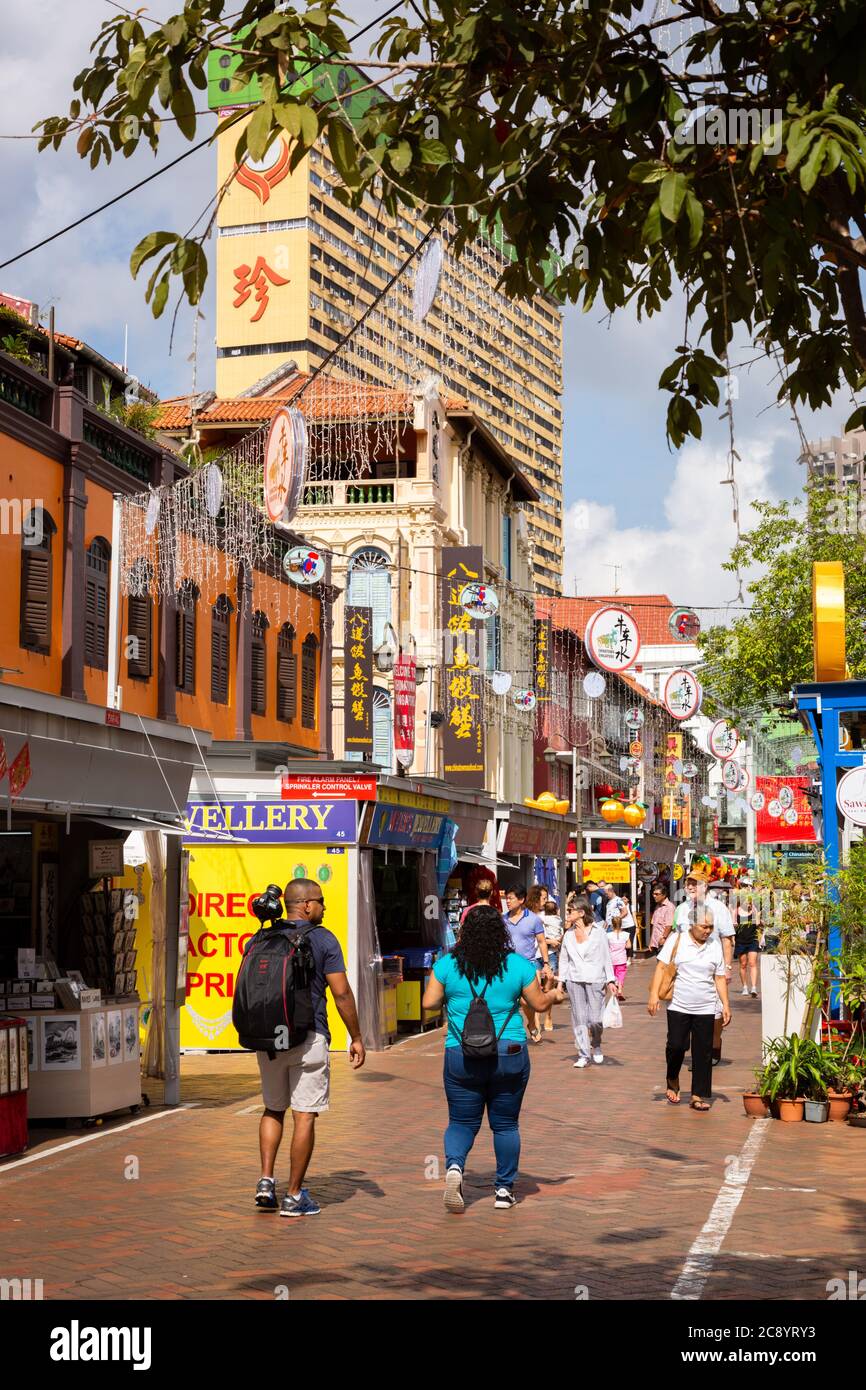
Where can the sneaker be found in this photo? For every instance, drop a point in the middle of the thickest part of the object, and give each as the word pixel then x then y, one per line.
pixel 302 1205
pixel 503 1197
pixel 266 1194
pixel 582 1062
pixel 754 994
pixel 454 1189
pixel 745 990
pixel 598 1058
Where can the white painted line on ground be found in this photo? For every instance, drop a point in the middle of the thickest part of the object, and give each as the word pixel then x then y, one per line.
pixel 778 1188
pixel 102 1134
pixel 699 1262
pixel 751 1255
pixel 250 1109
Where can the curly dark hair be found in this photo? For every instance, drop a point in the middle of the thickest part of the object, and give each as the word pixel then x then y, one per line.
pixel 484 944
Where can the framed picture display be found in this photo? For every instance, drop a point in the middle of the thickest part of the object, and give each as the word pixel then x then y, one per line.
pixel 98 1046
pixel 23 1061
pixel 4 1061
pixel 32 1046
pixel 61 1043
pixel 12 1034
pixel 115 1041
pixel 131 1047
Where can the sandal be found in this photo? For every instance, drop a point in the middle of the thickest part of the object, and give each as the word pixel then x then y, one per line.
pixel 671 1090
pixel 700 1105
pixel 535 1034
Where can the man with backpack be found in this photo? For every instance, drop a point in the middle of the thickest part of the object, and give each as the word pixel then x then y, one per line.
pixel 281 1013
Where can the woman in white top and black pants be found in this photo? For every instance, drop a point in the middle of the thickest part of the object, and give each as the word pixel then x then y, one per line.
pixel 700 984
pixel 586 971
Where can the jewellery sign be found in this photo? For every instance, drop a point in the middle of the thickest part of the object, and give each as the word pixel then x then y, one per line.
pixel 463 730
pixel 782 812
pixel 542 659
pixel 404 710
pixel 358 679
pixel 612 639
pixel 851 795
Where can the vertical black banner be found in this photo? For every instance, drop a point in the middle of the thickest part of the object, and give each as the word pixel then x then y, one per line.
pixel 358 680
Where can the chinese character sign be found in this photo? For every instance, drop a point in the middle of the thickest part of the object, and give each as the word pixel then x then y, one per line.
pixel 541 659
pixel 784 815
pixel 358 680
pixel 682 694
pixel 612 639
pixel 257 277
pixel 462 704
pixel 677 801
pixel 404 710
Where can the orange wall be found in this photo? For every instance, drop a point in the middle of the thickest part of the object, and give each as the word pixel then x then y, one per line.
pixel 266 598
pixel 37 480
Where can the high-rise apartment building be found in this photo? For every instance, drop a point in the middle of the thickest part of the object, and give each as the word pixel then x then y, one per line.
pixel 295 269
pixel 840 460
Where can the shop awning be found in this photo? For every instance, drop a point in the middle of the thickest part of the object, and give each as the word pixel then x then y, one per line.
pixel 661 849
pixel 138 823
pixel 468 856
pixel 527 832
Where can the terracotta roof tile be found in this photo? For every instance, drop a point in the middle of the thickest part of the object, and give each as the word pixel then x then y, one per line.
pixel 651 613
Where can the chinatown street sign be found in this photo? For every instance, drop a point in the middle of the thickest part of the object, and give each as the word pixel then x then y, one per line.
pixel 612 639
pixel 463 706
pixel 682 695
pixel 404 710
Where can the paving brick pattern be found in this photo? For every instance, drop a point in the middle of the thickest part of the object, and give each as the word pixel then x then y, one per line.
pixel 615 1186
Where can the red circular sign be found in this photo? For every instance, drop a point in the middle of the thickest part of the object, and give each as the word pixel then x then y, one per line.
pixel 612 639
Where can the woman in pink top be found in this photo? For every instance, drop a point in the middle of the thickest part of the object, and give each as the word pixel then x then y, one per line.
pixel 662 920
pixel 619 941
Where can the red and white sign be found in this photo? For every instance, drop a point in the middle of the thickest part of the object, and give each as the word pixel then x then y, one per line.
pixel 285 463
pixel 322 787
pixel 772 823
pixel 612 639
pixel 25 307
pixel 112 718
pixel 724 741
pixel 682 695
pixel 851 795
pixel 404 710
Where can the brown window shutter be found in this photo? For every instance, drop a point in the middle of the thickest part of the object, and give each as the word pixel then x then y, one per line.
pixel 140 614
pixel 185 677
pixel 258 674
pixel 219 667
pixel 35 623
pixel 308 683
pixel 96 606
pixel 287 675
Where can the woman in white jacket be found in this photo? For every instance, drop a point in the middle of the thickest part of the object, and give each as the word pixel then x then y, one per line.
pixel 586 971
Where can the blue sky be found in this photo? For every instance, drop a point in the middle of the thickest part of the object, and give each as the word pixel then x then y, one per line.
pixel 663 518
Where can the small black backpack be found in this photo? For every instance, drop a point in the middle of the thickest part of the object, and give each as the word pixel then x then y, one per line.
pixel 272 1008
pixel 479 1037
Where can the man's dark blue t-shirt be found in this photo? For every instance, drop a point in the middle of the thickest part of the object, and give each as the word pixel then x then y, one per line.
pixel 328 956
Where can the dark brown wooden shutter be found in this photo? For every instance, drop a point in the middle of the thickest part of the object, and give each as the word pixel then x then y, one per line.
pixel 219 660
pixel 308 682
pixel 187 599
pixel 259 661
pixel 139 629
pixel 35 624
pixel 287 675
pixel 96 606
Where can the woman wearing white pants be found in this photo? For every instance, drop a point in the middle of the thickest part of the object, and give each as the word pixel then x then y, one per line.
pixel 586 971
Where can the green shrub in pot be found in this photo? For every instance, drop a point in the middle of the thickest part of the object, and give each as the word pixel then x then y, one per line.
pixel 795 1068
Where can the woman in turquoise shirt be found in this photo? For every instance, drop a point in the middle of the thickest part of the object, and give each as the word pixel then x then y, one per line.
pixel 483 955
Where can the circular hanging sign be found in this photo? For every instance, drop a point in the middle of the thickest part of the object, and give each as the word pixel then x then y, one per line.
pixel 612 639
pixel 635 748
pixel 796 754
pixel 682 695
pixel 594 684
pixel 479 600
pixel 213 489
pixel 279 463
pixel 151 516
pixel 744 780
pixel 426 280
pixel 299 473
pixel 775 808
pixel 524 699
pixel 684 624
pixel 632 764
pixel 501 682
pixel 303 565
pixel 711 802
pixel 757 801
pixel 786 798
pixel 730 776
pixel 851 795
pixel 634 717
pixel 690 770
pixel 790 816
pixel 724 741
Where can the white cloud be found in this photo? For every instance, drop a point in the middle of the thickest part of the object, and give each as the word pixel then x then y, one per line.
pixel 683 557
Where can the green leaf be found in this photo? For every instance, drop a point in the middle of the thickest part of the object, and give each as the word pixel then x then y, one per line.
pixel 271 23
pixel 342 146
pixel 695 214
pixel 401 156
pixel 183 108
pixel 289 117
pixel 855 421
pixel 147 247
pixel 85 140
pixel 159 298
pixel 309 126
pixel 648 171
pixel 433 152
pixel 652 227
pixel 671 195
pixel 812 167
pixel 258 131
pixel 799 140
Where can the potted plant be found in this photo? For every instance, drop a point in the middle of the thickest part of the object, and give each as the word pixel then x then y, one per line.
pixel 816 1106
pixel 844 1078
pixel 795 1068
pixel 754 1101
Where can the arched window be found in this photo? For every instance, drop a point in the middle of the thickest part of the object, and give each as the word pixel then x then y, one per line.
pixel 220 660
pixel 139 640
pixel 383 729
pixel 259 682
pixel 369 586
pixel 34 630
pixel 287 675
pixel 309 681
pixel 96 604
pixel 187 599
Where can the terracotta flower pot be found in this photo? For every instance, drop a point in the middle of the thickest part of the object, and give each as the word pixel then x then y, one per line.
pixel 755 1105
pixel 840 1104
pixel 791 1110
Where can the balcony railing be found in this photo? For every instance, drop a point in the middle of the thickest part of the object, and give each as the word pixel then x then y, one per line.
pixel 24 389
pixel 118 445
pixel 348 494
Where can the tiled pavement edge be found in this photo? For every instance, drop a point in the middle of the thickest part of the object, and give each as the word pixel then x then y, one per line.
pixel 615 1188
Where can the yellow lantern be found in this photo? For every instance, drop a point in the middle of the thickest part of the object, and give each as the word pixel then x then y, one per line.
pixel 612 811
pixel 546 801
pixel 634 815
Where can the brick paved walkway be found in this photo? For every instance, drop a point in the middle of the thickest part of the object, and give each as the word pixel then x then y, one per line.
pixel 619 1183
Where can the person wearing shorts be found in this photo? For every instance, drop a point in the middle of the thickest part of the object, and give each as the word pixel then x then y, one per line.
pixel 299 1079
pixel 747 945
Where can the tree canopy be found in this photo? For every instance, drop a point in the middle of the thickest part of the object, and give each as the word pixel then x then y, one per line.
pixel 734 168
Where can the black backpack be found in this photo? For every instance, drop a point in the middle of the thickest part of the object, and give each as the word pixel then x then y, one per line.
pixel 272 1009
pixel 479 1037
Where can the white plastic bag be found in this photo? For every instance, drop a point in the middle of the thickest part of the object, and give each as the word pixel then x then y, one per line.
pixel 612 1016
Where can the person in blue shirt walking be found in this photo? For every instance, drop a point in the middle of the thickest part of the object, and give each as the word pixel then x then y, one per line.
pixel 484 960
pixel 526 934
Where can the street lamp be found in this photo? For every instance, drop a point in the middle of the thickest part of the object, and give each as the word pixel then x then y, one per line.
pixel 386 654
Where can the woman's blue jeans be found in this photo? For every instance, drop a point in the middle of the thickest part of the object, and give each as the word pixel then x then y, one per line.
pixel 497 1084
